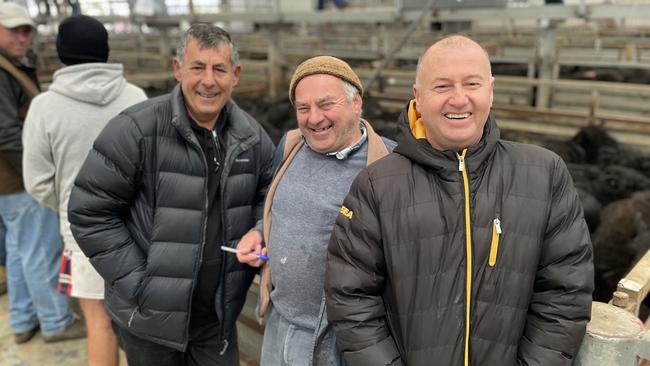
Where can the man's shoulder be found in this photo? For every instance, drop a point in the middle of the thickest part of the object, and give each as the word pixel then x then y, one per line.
pixel 527 154
pixel 149 104
pixel 7 79
pixel 149 112
pixel 239 115
pixel 244 124
pixel 389 167
pixel 390 144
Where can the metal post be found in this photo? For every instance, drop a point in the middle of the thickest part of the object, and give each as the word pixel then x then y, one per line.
pixel 614 337
pixel 276 76
pixel 547 55
pixel 400 43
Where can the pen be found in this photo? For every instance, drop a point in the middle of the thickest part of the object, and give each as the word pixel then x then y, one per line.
pixel 233 250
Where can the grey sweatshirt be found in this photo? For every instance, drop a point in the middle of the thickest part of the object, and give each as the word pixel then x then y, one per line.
pixel 305 206
pixel 62 125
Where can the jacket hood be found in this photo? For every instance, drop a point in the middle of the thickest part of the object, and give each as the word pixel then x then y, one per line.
pixel 412 143
pixel 95 83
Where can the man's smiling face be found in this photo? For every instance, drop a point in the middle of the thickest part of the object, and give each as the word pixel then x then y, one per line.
pixel 207 80
pixel 453 94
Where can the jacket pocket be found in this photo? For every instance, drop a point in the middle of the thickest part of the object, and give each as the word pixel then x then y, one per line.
pixel 494 246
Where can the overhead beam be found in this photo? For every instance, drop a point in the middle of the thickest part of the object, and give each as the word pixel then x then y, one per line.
pixel 392 14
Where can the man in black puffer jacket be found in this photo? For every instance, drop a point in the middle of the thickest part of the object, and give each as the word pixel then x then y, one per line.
pixel 459 248
pixel 169 181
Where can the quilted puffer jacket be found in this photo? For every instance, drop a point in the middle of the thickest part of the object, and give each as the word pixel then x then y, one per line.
pixel 139 211
pixel 476 257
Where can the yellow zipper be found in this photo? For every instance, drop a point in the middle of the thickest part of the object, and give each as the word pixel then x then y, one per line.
pixel 468 251
pixel 494 247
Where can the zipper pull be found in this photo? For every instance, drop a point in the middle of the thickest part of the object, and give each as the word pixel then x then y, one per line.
pixel 497 225
pixel 461 161
pixel 217 164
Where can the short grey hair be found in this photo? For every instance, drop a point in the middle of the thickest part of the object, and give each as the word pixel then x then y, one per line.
pixel 209 36
pixel 351 91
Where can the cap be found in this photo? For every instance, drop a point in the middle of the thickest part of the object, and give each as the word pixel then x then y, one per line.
pixel 324 65
pixel 13 15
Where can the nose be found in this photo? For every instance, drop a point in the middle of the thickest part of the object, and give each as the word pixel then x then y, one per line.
pixel 315 115
pixel 458 98
pixel 23 37
pixel 208 78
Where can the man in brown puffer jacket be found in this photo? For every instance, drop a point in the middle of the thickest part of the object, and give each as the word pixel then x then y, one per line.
pixel 459 248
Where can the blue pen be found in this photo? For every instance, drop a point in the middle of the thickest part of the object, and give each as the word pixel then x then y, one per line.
pixel 233 250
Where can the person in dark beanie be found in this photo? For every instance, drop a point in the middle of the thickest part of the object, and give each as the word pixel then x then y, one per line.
pixel 82 39
pixel 167 183
pixel 30 236
pixel 60 128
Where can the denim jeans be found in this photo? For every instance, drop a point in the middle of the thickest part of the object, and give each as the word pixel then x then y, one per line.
pixel 3 249
pixel 286 344
pixel 33 248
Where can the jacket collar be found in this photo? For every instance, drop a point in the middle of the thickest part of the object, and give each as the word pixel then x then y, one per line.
pixel 420 151
pixel 239 123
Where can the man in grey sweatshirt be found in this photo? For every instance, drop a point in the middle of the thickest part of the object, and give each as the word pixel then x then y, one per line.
pixel 315 165
pixel 60 128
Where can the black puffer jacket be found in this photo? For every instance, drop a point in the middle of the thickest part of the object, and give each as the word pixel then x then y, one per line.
pixel 413 236
pixel 14 102
pixel 139 211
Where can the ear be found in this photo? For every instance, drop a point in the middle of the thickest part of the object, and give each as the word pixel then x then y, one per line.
pixel 237 72
pixel 491 90
pixel 417 98
pixel 357 102
pixel 176 65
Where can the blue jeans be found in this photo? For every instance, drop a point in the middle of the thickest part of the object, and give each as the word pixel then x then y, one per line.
pixel 33 248
pixel 3 250
pixel 286 344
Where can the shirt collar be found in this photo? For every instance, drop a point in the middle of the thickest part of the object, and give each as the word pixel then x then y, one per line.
pixel 343 154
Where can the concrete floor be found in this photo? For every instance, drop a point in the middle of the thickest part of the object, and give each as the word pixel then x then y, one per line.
pixel 36 352
pixel 73 353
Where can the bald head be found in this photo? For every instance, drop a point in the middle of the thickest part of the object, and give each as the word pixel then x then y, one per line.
pixel 454 42
pixel 453 92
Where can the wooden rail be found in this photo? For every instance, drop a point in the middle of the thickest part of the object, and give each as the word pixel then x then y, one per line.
pixel 635 285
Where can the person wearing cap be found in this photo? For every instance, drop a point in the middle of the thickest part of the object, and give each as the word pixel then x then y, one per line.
pixel 31 235
pixel 16 32
pixel 315 165
pixel 459 248
pixel 60 127
pixel 167 183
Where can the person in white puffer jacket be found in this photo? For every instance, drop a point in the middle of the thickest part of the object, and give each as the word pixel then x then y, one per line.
pixel 59 130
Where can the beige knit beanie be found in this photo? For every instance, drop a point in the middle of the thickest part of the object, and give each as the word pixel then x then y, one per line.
pixel 324 65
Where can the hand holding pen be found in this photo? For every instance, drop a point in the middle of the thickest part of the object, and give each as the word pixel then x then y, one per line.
pixel 233 250
pixel 250 250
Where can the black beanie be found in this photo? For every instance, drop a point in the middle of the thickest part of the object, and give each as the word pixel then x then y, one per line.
pixel 82 39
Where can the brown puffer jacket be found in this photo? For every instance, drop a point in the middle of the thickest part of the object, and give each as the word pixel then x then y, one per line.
pixel 415 232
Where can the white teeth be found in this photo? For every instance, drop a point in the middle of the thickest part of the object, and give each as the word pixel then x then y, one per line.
pixel 457 115
pixel 320 129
